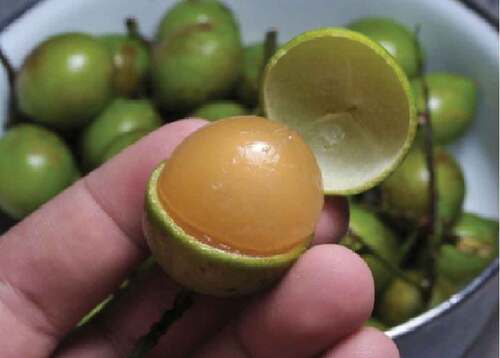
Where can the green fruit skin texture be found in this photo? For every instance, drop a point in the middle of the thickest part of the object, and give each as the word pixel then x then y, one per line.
pixel 203 268
pixel 65 81
pixel 120 117
pixel 35 165
pixel 248 85
pixel 220 109
pixel 441 291
pixel 375 323
pixel 476 245
pixel 400 301
pixel 365 225
pixel 401 43
pixel 452 104
pixel 191 12
pixel 132 63
pixel 405 193
pixel 122 142
pixel 195 63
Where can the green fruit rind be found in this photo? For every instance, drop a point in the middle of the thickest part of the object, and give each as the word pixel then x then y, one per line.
pixel 203 268
pixel 392 162
pixel 215 110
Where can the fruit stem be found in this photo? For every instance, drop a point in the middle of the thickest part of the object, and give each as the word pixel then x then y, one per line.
pixel 270 45
pixel 183 301
pixel 426 125
pixel 133 30
pixel 13 112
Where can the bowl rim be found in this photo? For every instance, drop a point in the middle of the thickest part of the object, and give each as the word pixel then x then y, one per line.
pixel 444 308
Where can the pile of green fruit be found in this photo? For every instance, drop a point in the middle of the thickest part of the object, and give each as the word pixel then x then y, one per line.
pixel 79 99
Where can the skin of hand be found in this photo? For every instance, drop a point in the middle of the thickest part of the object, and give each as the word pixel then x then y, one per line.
pixel 66 257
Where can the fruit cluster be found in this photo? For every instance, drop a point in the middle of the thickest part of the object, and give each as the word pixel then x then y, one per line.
pixel 411 229
pixel 80 99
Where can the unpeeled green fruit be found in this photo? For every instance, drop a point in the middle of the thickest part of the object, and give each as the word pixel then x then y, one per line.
pixel 248 85
pixel 131 61
pixel 401 43
pixel 120 117
pixel 191 12
pixel 364 226
pixel 213 111
pixel 452 104
pixel 400 301
pixel 35 165
pixel 65 81
pixel 195 62
pixel 475 246
pixel 405 193
pixel 122 142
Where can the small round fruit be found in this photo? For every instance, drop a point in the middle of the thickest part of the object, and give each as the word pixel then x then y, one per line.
pixel 400 301
pixel 131 62
pixel 120 117
pixel 248 85
pixel 441 291
pixel 405 193
pixel 365 229
pixel 475 246
pixel 195 63
pixel 35 165
pixel 452 104
pixel 213 111
pixel 401 43
pixel 65 81
pixel 122 142
pixel 350 101
pixel 375 323
pixel 193 12
pixel 219 218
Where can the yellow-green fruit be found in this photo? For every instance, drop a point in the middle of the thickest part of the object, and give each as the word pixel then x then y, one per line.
pixel 474 245
pixel 35 165
pixel 65 81
pixel 195 61
pixel 365 229
pixel 398 40
pixel 120 117
pixel 405 193
pixel 400 301
pixel 442 290
pixel 219 219
pixel 213 111
pixel 452 104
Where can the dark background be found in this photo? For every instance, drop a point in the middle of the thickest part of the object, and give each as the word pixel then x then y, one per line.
pixel 487 345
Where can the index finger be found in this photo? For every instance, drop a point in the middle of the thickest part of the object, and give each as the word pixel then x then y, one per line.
pixel 50 262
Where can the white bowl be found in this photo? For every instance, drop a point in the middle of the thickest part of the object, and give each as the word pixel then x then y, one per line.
pixel 454 38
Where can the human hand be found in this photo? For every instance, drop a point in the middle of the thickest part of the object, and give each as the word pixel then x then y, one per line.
pixel 65 258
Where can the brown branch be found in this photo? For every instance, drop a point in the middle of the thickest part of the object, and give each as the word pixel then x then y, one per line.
pixel 270 46
pixel 429 228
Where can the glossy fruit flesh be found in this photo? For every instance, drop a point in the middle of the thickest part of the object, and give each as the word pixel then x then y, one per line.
pixel 452 104
pixel 248 85
pixel 120 117
pixel 131 61
pixel 401 43
pixel 35 165
pixel 405 193
pixel 243 184
pixel 213 111
pixel 65 81
pixel 350 101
